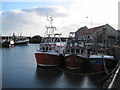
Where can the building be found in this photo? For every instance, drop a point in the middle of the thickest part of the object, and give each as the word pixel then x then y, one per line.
pixel 118 36
pixel 97 34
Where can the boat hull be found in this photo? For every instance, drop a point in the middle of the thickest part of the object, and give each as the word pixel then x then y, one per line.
pixel 48 60
pixel 73 62
pixel 99 65
pixel 21 43
pixel 7 45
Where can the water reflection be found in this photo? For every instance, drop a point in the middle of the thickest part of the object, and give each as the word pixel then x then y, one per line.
pixel 60 78
pixel 48 76
pixel 73 80
pixel 99 79
pixel 86 83
pixel 20 71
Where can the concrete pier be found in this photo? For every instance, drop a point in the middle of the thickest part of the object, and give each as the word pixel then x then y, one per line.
pixel 114 81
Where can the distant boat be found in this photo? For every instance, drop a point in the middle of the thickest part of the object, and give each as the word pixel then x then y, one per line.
pixel 75 54
pixel 21 42
pixel 7 43
pixel 50 51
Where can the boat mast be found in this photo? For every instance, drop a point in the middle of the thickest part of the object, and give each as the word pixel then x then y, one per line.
pixel 50 29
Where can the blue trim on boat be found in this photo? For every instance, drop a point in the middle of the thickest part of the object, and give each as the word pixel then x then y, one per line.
pixel 98 61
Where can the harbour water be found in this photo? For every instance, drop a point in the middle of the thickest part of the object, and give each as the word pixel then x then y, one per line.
pixel 19 70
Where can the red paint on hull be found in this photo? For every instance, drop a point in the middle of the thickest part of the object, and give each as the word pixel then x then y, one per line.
pixel 73 62
pixel 44 59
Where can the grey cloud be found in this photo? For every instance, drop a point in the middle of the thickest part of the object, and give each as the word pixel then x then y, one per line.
pixel 43 11
pixel 12 20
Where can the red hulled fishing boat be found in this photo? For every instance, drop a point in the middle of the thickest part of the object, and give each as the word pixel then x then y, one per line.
pixel 50 50
pixel 75 54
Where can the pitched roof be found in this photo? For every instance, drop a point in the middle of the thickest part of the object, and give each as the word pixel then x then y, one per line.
pixel 81 29
pixel 91 30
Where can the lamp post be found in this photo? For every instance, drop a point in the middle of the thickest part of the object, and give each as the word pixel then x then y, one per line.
pixel 94 40
pixel 90 23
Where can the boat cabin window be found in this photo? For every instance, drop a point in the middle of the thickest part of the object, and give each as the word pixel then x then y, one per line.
pixel 43 48
pixel 72 50
pixel 67 51
pixel 88 36
pixel 82 51
pixel 46 48
pixel 52 48
pixel 77 50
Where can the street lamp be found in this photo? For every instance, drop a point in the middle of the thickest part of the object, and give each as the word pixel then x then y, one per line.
pixel 94 39
pixel 91 23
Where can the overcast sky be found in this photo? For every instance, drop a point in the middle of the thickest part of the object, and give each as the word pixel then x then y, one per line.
pixel 30 18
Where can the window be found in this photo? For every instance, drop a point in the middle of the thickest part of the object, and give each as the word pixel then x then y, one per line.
pixel 77 51
pixel 82 51
pixel 72 50
pixel 88 36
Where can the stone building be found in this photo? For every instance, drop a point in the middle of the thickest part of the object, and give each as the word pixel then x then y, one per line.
pixel 98 34
pixel 118 36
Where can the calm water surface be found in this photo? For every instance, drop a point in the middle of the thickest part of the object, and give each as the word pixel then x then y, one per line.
pixel 20 71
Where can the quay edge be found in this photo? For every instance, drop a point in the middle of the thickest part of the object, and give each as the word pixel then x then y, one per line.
pixel 112 82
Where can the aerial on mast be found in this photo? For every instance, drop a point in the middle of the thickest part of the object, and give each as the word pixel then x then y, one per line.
pixel 50 20
pixel 50 28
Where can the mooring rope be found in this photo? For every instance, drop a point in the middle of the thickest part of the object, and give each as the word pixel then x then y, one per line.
pixel 105 65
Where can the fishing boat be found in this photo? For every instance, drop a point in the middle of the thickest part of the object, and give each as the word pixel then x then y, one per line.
pixel 75 54
pixel 50 50
pixel 102 59
pixel 19 40
pixel 102 62
pixel 7 43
